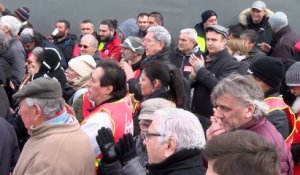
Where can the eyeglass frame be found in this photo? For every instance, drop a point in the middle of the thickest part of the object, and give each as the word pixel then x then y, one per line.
pixel 146 135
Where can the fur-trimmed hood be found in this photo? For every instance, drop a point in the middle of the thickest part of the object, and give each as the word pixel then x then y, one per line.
pixel 245 13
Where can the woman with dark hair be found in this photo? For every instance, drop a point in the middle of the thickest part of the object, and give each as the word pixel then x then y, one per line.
pixel 162 80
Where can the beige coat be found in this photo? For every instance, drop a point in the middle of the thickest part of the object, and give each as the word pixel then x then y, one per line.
pixel 57 149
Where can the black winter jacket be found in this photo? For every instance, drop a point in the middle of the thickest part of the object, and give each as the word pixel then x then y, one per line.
pixel 207 78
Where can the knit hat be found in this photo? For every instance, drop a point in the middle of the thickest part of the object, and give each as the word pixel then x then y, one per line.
pixel 218 28
pixel 207 14
pixel 41 88
pixel 278 20
pixel 148 107
pixel 292 76
pixel 135 44
pixel 22 13
pixel 259 5
pixel 83 65
pixel 269 70
pixel 27 36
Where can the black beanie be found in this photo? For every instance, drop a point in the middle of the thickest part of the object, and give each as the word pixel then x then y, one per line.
pixel 269 69
pixel 207 14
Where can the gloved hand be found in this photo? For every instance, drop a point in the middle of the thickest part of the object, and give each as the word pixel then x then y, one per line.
pixel 105 140
pixel 125 148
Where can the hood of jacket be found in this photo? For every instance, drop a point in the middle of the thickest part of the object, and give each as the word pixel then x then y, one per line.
pixel 244 15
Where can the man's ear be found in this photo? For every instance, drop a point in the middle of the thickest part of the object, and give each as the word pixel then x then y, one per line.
pixel 250 111
pixel 37 112
pixel 170 146
pixel 109 89
pixel 161 44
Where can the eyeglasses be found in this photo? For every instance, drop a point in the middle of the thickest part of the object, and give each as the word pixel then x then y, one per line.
pixel 84 46
pixel 147 135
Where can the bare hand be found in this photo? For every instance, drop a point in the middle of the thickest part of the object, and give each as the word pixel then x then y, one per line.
pixel 196 62
pixel 265 47
pixel 216 127
pixel 127 69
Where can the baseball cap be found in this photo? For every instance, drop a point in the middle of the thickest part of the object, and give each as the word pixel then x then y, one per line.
pixel 259 5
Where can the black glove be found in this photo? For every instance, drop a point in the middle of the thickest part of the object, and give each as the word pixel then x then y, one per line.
pixel 125 148
pixel 295 149
pixel 105 140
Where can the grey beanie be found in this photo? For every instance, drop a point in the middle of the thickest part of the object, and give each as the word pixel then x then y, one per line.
pixel 292 76
pixel 278 20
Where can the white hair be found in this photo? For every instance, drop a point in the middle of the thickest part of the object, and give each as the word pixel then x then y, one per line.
pixel 49 107
pixel 181 125
pixel 192 33
pixel 92 40
pixel 161 34
pixel 3 40
pixel 12 23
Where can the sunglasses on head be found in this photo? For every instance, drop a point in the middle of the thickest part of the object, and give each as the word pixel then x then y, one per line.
pixel 84 46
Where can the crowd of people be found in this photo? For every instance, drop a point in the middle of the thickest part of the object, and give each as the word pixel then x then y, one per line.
pixel 129 99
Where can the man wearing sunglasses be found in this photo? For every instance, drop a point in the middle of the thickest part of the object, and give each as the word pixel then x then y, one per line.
pixel 89 46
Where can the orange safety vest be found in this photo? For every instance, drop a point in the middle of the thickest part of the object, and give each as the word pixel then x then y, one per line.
pixel 277 103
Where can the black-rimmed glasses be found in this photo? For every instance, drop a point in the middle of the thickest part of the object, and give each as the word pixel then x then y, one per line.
pixel 147 135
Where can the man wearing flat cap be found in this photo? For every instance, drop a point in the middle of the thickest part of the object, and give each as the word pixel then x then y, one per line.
pixel 57 144
pixel 256 18
pixel 206 74
pixel 209 17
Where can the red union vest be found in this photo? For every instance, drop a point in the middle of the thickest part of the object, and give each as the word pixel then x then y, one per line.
pixel 297 140
pixel 120 115
pixel 277 103
pixel 86 105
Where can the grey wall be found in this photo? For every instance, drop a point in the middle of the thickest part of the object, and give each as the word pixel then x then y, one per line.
pixel 178 14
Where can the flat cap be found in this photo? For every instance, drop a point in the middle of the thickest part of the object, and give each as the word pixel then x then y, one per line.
pixel 148 107
pixel 41 88
pixel 218 28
